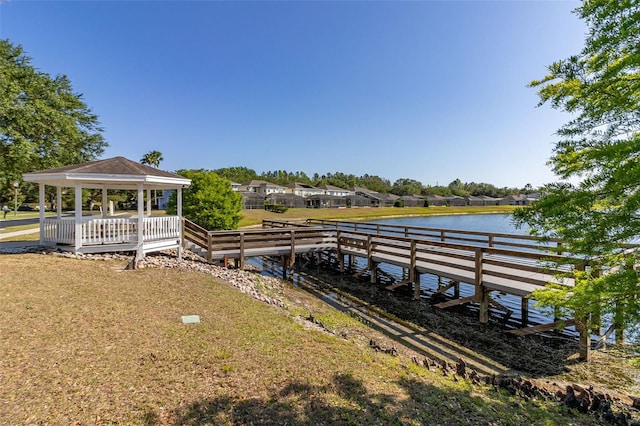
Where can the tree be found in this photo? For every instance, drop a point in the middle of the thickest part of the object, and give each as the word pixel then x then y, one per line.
pixel 405 186
pixel 209 201
pixel 152 158
pixel 237 174
pixel 595 207
pixel 43 123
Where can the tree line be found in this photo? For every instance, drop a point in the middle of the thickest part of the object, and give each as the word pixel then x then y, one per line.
pixel 403 186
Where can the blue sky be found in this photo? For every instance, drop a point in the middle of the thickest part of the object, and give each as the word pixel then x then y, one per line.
pixel 426 90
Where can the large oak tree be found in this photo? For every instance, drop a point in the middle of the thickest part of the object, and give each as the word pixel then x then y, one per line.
pixel 43 122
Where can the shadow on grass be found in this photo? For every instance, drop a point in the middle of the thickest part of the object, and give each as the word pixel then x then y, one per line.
pixel 346 401
pixel 536 355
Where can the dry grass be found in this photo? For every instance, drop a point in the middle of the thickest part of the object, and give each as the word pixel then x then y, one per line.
pixel 84 342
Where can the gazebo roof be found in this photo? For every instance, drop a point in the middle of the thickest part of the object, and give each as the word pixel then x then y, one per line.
pixel 116 172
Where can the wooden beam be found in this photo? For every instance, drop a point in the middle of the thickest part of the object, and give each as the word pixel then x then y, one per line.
pixel 443 288
pixel 361 272
pixel 499 305
pixel 540 328
pixel 455 302
pixel 399 284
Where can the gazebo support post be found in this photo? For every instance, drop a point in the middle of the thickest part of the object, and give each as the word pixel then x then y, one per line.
pixel 58 202
pixel 148 202
pixel 179 211
pixel 105 201
pixel 78 218
pixel 41 200
pixel 140 253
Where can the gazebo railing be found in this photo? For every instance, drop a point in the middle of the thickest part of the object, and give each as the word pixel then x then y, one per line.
pixel 110 230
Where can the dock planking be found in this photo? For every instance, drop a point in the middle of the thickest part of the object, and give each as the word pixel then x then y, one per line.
pixel 489 262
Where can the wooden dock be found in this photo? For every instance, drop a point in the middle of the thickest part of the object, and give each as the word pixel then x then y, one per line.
pixel 488 262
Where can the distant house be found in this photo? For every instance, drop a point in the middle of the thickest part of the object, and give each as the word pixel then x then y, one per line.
pixel 262 187
pixel 412 200
pixel 287 200
pixel 514 200
pixel 303 190
pixel 474 201
pixel 376 199
pixel 456 201
pixel 326 201
pixel 482 200
pixel 436 200
pixel 252 200
pixel 334 191
pixel 162 197
pixel 490 201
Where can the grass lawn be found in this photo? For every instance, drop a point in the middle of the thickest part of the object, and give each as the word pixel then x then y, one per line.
pixel 85 342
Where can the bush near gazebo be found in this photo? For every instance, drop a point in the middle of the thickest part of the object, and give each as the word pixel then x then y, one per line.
pixel 210 201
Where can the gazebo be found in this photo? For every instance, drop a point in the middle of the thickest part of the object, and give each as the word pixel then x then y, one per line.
pixel 140 232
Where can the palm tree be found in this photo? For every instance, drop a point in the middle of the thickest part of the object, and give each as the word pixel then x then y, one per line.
pixel 153 159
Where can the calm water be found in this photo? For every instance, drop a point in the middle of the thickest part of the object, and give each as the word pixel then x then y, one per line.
pixel 469 222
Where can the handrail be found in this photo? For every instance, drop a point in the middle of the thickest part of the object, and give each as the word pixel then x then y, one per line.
pixel 489 238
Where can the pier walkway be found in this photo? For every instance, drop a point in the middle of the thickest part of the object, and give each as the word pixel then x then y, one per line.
pixel 511 264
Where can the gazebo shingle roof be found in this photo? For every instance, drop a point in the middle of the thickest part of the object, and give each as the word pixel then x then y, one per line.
pixel 111 166
pixel 114 173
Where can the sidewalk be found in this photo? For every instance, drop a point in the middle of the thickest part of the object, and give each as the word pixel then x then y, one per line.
pixel 18 244
pixel 18 233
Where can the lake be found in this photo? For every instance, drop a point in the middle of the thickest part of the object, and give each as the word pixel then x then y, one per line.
pixel 468 222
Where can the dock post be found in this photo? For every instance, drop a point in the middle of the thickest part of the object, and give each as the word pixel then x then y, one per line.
pixel 524 303
pixel 374 271
pixel 285 265
pixel 481 294
pixel 484 306
pixel 339 252
pixel 413 275
pixel 241 250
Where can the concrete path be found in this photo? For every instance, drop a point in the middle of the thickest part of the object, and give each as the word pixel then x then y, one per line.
pixel 18 233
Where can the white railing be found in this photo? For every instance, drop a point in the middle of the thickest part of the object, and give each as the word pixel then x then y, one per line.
pixel 59 230
pixel 160 227
pixel 110 230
